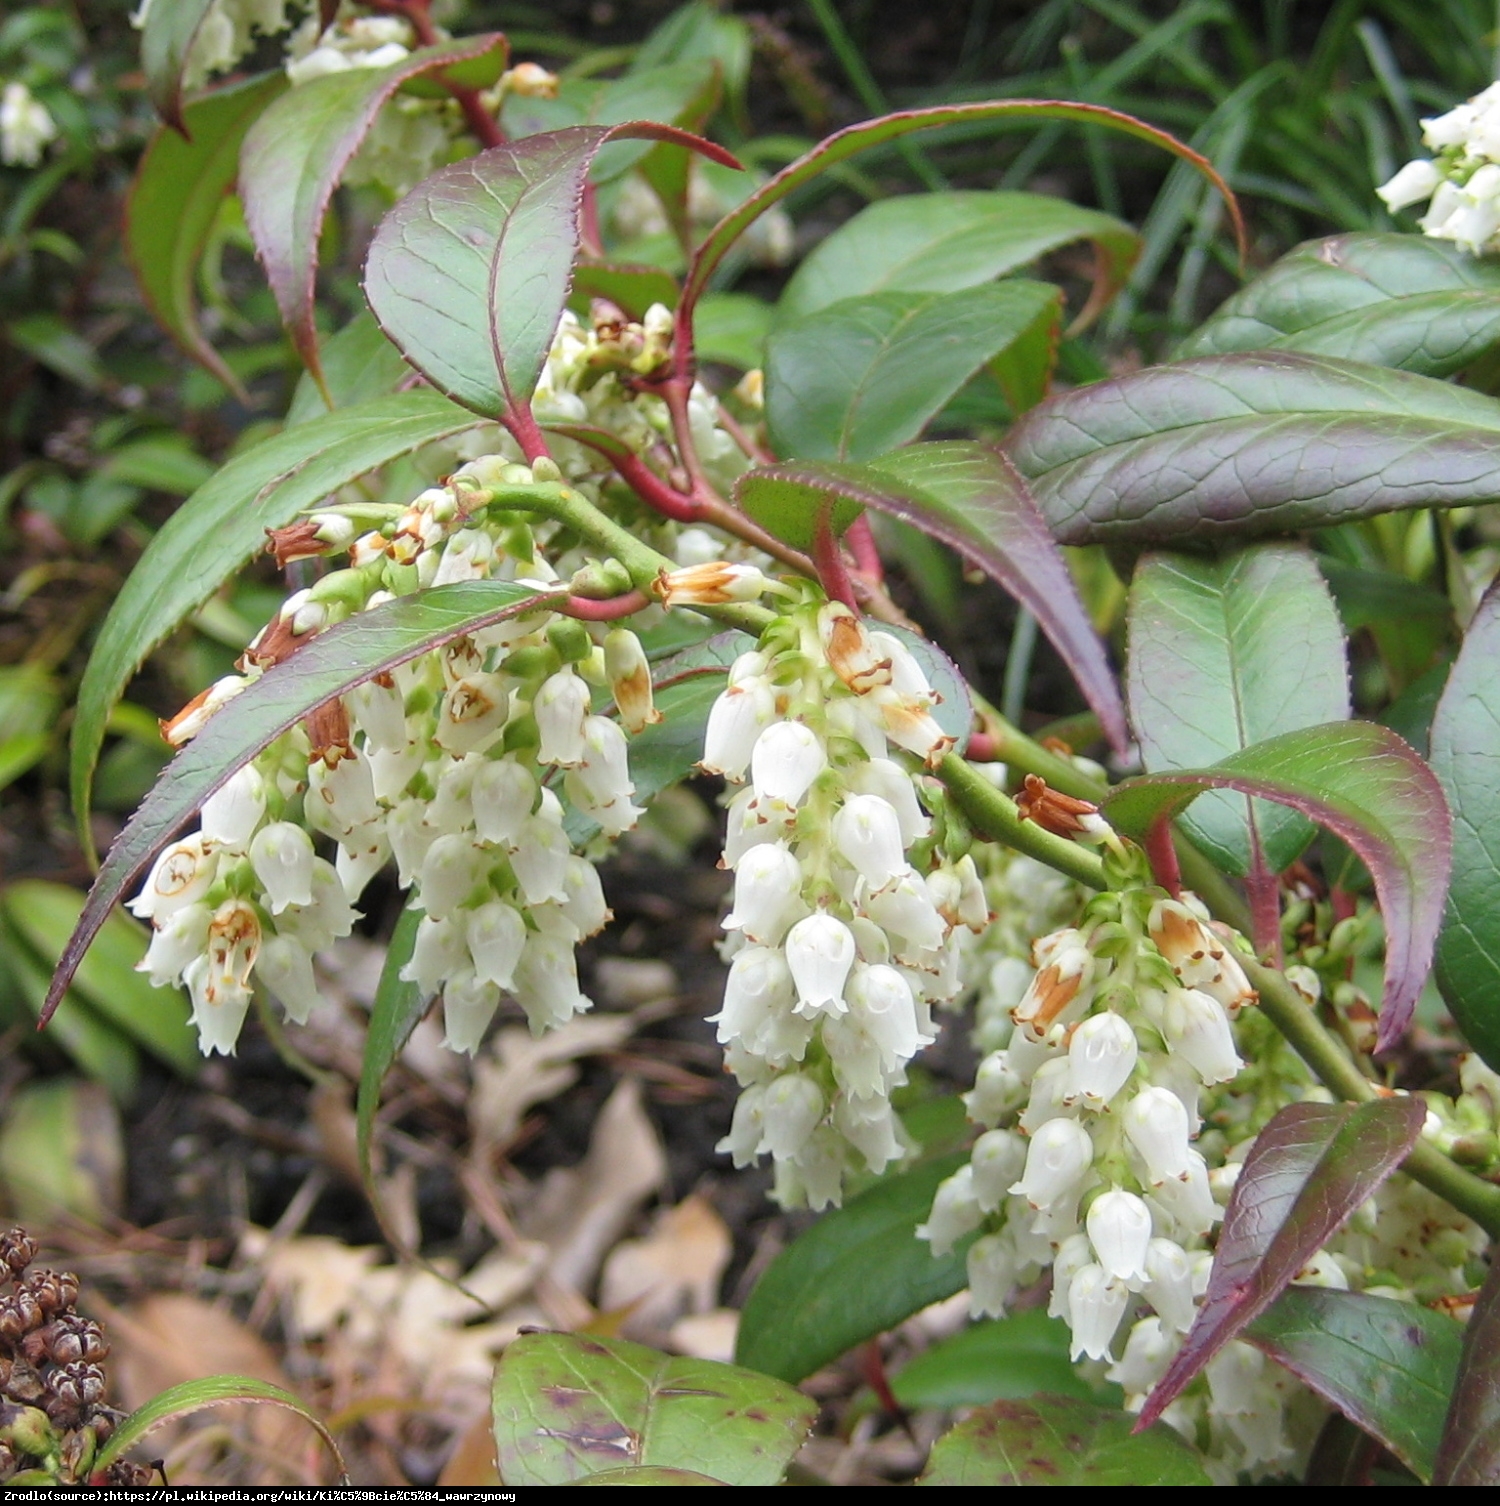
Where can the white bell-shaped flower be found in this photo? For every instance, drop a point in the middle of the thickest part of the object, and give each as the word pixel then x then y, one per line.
pixel 735 722
pixel 1059 993
pixel 282 856
pixel 883 1000
pixel 786 759
pixel 181 876
pixel 391 773
pixel 757 1010
pixel 379 711
pixel 1051 1095
pixel 747 1129
pixel 474 714
pixel 1169 1283
pixel 328 918
pixel 540 860
pixel 546 985
pixel 219 1007
pixel 502 795
pixel 285 967
pixel 629 674
pixel 793 1108
pixel 605 770
pixel 495 934
pixel 820 953
pixel 955 1213
pixel 1096 1303
pixel 1156 1124
pixel 1073 1254
pixel 858 1065
pixel 887 779
pixel 231 814
pixel 340 794
pixel 1149 1349
pixel 410 836
pixel 175 942
pixel 997 1092
pixel 1413 183
pixel 1188 1200
pixel 1119 1228
pixel 469 1004
pixel 1101 1057
pixel 751 825
pixel 905 908
pixel 998 1159
pixel 1196 1027
pixel 453 868
pixel 992 1269
pixel 1057 1160
pixel 766 894
pixel 585 905
pixel 870 1126
pixel 357 863
pixel 441 948
pixel 867 835
pixel 560 707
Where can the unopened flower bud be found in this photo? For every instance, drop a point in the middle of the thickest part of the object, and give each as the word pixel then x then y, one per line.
pixel 709 585
pixel 630 679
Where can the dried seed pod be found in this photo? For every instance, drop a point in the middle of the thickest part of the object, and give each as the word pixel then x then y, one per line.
pixel 17 1250
pixel 13 1325
pixel 31 1312
pixel 124 1475
pixel 25 1384
pixel 81 1382
pixel 53 1291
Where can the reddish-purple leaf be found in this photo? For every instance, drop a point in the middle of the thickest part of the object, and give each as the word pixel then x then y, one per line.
pixel 296 153
pixel 469 273
pixel 174 201
pixel 334 662
pixel 968 496
pixel 1470 1451
pixel 1367 786
pixel 1307 1172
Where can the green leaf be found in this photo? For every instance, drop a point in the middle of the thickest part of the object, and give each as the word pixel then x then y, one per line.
pixel 166 40
pixel 294 156
pixel 1387 1366
pixel 43 916
pixel 1364 784
pixel 46 338
pixel 158 463
pixel 1200 451
pixel 865 375
pixel 194 1396
pixel 359 365
pixel 1307 1172
pixel 732 328
pixel 996 1360
pixel 1470 1451
pixel 969 497
pixel 1225 653
pixel 1392 300
pixel 469 273
pixel 941 242
pixel 396 1012
pixel 62 1153
pixel 648 1475
pixel 858 138
pixel 857 1272
pixel 223 525
pixel 175 199
pixel 632 289
pixel 1464 732
pixel 567 1406
pixel 1059 1441
pixel 335 661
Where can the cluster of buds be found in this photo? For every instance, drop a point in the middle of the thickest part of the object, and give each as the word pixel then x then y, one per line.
pixel 841 936
pixel 52 1413
pixel 1461 178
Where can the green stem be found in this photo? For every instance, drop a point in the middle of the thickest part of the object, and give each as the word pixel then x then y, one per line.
pixel 994 815
pixel 1288 1011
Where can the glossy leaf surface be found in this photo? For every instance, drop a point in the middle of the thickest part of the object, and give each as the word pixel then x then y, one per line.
pixel 1470 1451
pixel 335 661
pixel 1369 788
pixel 941 242
pixel 1308 1170
pixel 1387 1366
pixel 294 156
pixel 1054 1440
pixel 568 1405
pixel 223 525
pixel 816 1299
pixel 867 374
pixel 1200 451
pixel 469 273
pixel 1465 735
pixel 1224 653
pixel 994 1360
pixel 1392 300
pixel 175 199
pixel 194 1396
pixel 967 495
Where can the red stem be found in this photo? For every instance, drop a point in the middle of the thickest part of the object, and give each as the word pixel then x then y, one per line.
pixel 592 609
pixel 1262 889
pixel 483 125
pixel 590 240
pixel 523 429
pixel 861 541
pixel 1162 856
pixel 653 491
pixel 829 560
pixel 983 747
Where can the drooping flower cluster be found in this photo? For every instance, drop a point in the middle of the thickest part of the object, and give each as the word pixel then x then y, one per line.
pixel 841 935
pixel 1461 178
pixel 472 768
pixel 224 35
pixel 26 126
